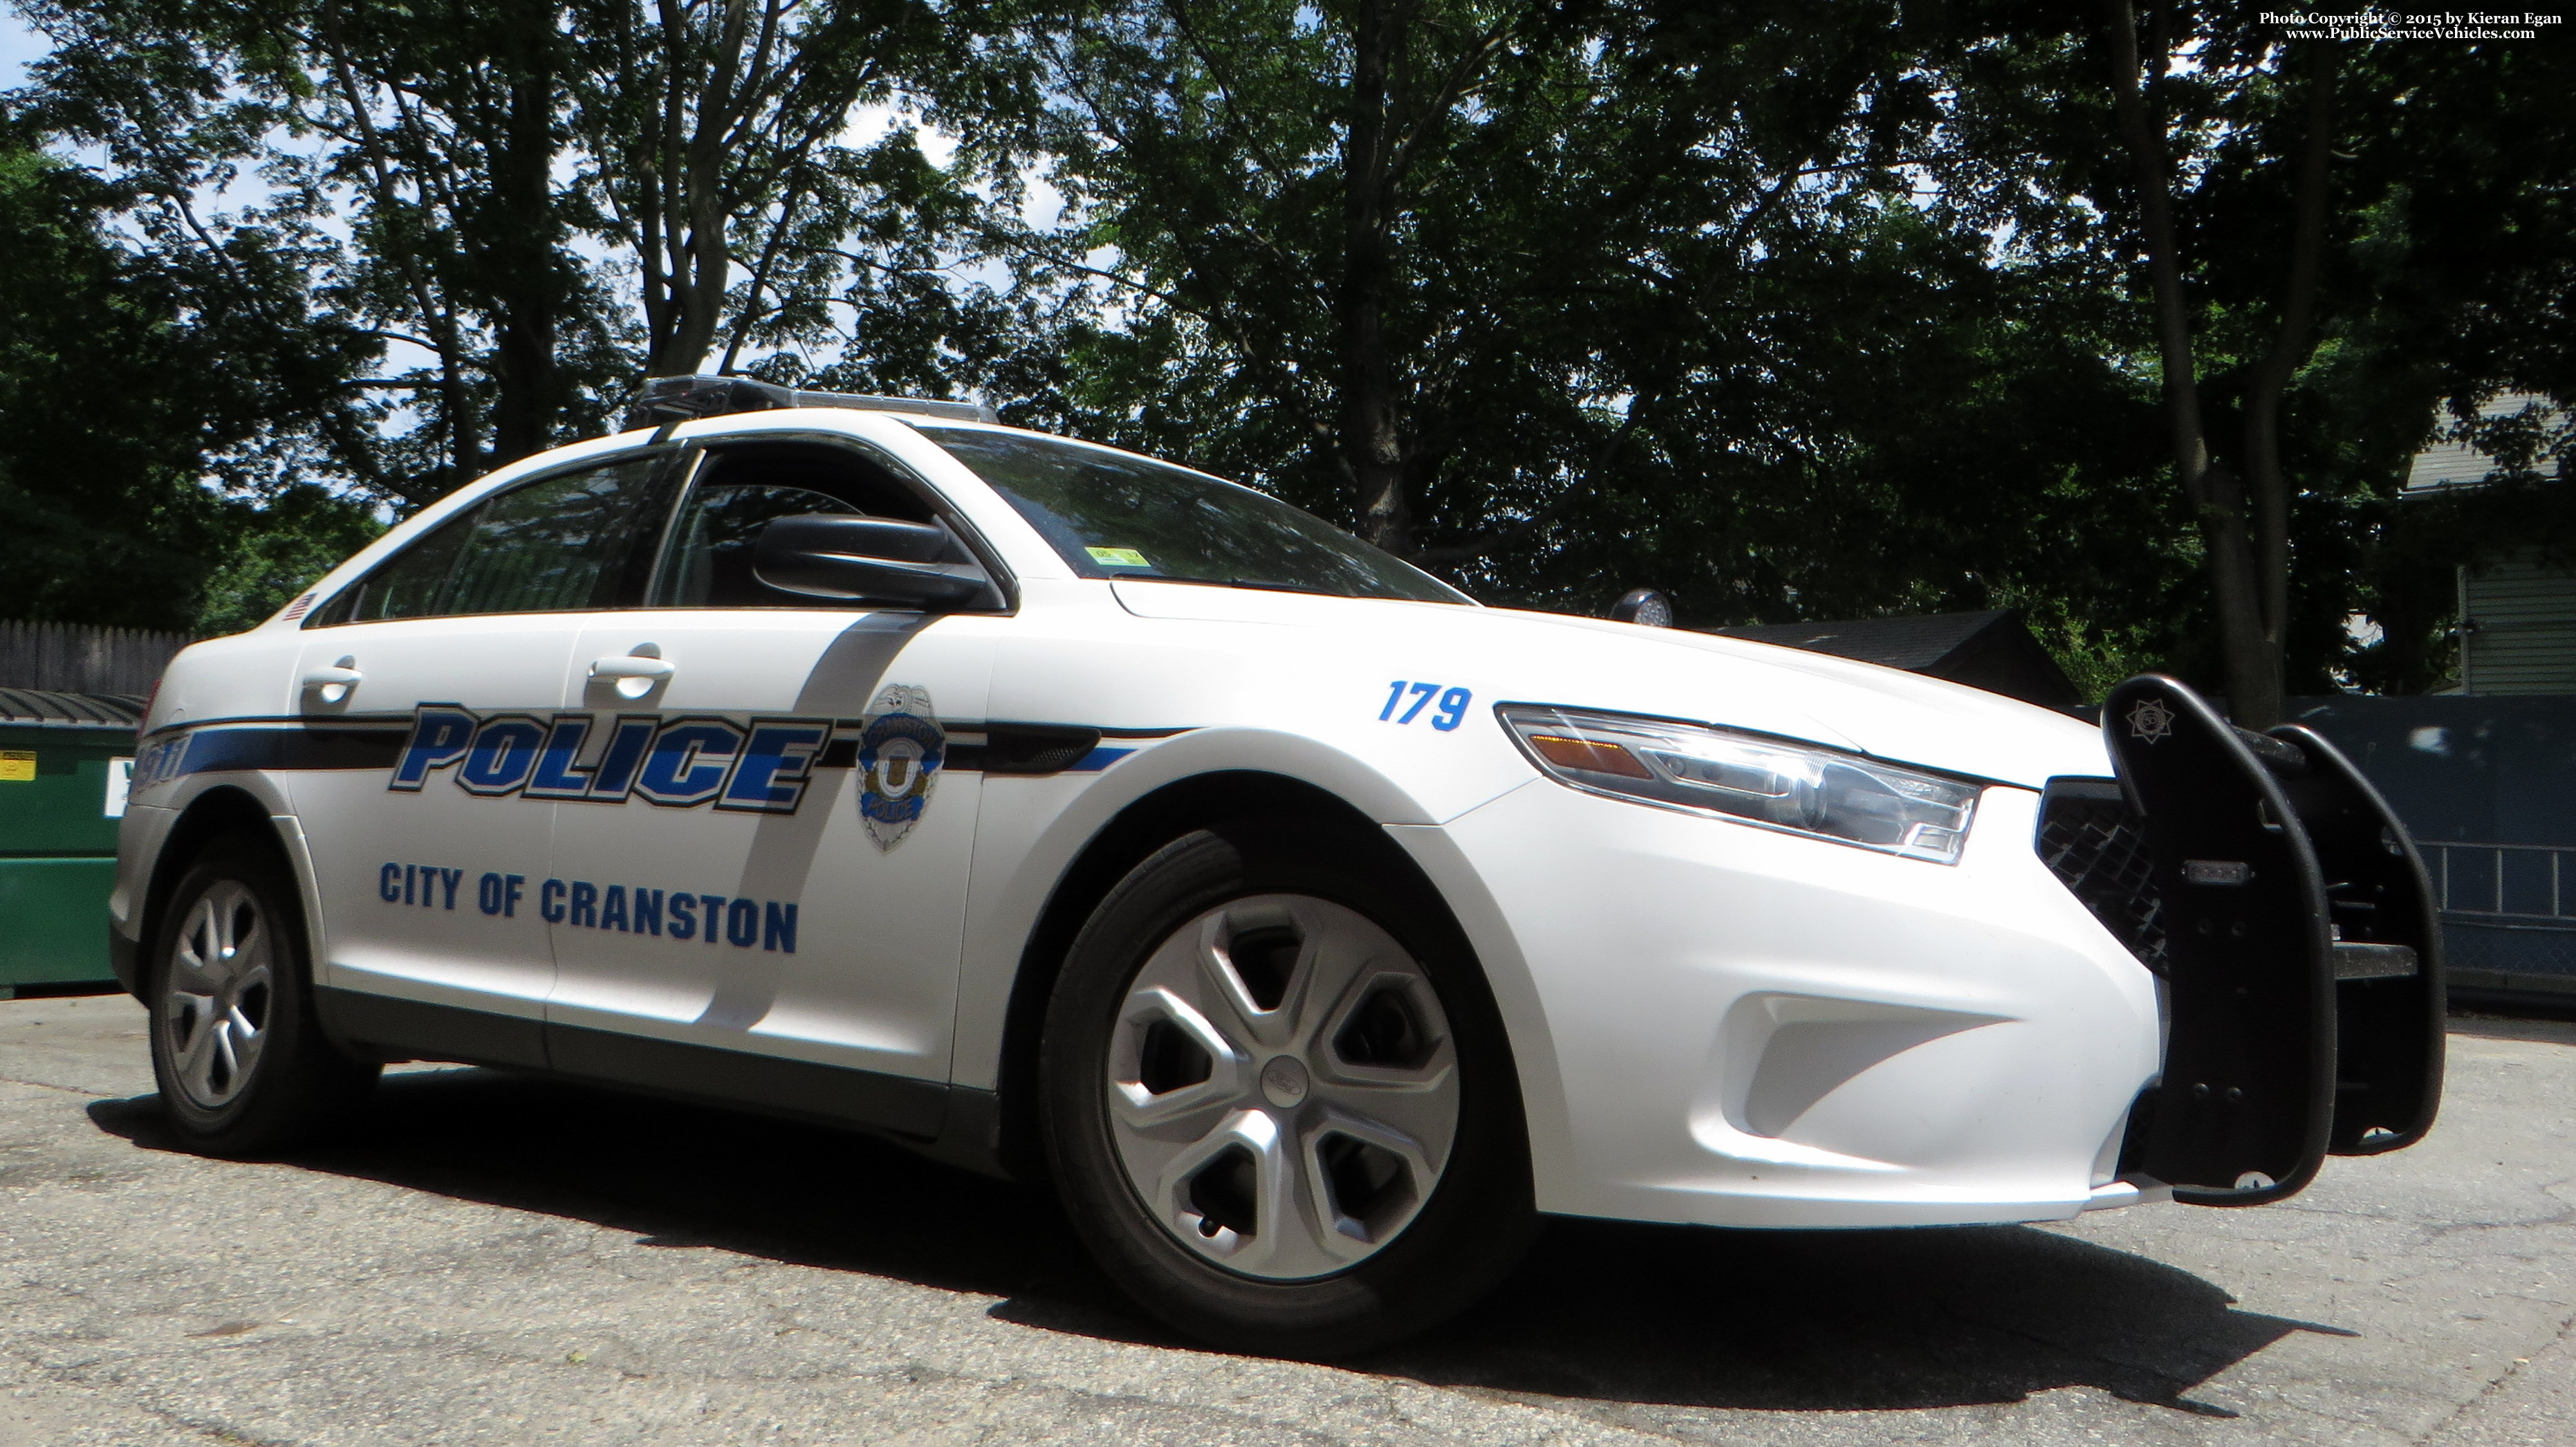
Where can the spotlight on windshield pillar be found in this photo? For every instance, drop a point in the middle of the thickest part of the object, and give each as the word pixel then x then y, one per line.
pixel 1643 605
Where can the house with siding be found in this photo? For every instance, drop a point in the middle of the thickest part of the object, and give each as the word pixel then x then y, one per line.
pixel 2517 614
pixel 2486 779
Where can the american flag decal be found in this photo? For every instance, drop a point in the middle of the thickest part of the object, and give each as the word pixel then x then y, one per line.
pixel 296 609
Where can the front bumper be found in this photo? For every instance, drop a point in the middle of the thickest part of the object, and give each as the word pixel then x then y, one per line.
pixel 1729 1026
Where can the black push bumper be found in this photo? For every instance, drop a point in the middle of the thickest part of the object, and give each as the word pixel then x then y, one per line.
pixel 2294 930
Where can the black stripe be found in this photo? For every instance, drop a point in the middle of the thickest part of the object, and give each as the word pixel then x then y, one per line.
pixel 403 720
pixel 298 744
pixel 217 749
pixel 1036 748
pixel 1008 748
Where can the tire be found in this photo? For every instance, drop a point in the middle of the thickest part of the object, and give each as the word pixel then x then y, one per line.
pixel 1278 1100
pixel 240 1058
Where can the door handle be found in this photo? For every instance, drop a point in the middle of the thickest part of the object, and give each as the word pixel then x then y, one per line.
pixel 334 682
pixel 635 673
pixel 632 667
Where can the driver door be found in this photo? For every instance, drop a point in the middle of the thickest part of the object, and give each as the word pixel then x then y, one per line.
pixel 768 863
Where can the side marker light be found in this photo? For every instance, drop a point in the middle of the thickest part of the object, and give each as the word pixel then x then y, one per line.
pixel 1590 755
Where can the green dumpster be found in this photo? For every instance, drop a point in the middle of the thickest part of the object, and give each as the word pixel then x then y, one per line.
pixel 64 761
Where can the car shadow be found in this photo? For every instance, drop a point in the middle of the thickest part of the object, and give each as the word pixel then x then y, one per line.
pixel 1630 1317
pixel 1841 1321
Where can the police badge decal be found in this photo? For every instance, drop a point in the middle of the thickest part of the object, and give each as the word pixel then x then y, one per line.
pixel 900 752
pixel 2151 721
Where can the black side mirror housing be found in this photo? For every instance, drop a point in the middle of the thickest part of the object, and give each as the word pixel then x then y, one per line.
pixel 835 555
pixel 1643 606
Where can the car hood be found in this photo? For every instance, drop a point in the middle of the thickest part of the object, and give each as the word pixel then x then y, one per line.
pixel 1523 657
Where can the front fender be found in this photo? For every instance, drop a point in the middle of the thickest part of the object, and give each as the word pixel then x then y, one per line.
pixel 1032 830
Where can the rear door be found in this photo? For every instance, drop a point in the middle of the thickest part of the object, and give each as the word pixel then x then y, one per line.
pixel 427 692
pixel 767 871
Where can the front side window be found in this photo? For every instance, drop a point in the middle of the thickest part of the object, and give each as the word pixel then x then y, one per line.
pixel 709 562
pixel 740 488
pixel 573 542
pixel 1114 516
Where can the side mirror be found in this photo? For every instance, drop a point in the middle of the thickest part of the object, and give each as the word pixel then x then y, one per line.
pixel 1643 606
pixel 833 555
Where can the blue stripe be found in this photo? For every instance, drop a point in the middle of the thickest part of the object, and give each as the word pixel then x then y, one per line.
pixel 1097 760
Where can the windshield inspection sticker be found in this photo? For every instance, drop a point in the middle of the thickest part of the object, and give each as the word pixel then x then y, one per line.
pixel 900 753
pixel 1118 557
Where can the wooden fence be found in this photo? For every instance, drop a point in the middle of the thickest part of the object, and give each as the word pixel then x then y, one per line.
pixel 76 658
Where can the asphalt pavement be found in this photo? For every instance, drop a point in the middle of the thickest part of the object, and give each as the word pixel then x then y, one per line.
pixel 493 1259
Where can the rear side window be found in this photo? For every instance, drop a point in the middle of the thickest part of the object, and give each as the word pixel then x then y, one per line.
pixel 408 586
pixel 573 542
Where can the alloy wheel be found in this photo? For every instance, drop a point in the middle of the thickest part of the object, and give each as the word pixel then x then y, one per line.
pixel 1282 1086
pixel 216 994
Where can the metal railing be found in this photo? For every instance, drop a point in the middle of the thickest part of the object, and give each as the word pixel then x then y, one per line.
pixel 2477 882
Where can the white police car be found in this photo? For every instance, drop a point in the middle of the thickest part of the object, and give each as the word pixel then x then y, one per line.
pixel 1073 815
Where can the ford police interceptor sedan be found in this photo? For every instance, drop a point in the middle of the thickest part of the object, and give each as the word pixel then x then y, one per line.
pixel 1080 817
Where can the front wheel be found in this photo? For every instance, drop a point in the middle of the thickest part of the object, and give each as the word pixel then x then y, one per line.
pixel 1280 1105
pixel 241 1062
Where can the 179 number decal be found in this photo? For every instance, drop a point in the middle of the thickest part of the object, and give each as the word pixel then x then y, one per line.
pixel 1451 712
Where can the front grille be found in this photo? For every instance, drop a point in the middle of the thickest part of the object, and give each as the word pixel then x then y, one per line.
pixel 2095 846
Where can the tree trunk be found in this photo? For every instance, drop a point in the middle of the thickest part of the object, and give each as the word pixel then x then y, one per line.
pixel 2253 661
pixel 1372 454
pixel 2272 378
pixel 523 243
pixel 724 78
pixel 380 157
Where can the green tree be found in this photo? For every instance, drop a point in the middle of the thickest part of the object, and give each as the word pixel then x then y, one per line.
pixel 1562 299
pixel 472 189
pixel 275 550
pixel 1792 311
pixel 1395 230
pixel 96 453
pixel 2319 242
pixel 123 416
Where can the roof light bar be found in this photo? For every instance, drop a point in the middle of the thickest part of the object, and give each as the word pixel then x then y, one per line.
pixel 681 399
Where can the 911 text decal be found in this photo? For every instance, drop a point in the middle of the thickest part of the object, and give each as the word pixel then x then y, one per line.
pixel 159 761
pixel 678 914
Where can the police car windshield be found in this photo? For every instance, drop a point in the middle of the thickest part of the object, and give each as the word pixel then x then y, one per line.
pixel 1115 516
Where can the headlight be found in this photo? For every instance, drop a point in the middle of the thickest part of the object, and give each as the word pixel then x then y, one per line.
pixel 1802 790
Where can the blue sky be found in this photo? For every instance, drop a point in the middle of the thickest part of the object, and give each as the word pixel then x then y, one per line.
pixel 18 45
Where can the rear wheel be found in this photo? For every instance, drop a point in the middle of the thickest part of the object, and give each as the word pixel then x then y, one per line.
pixel 1280 1105
pixel 241 1062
